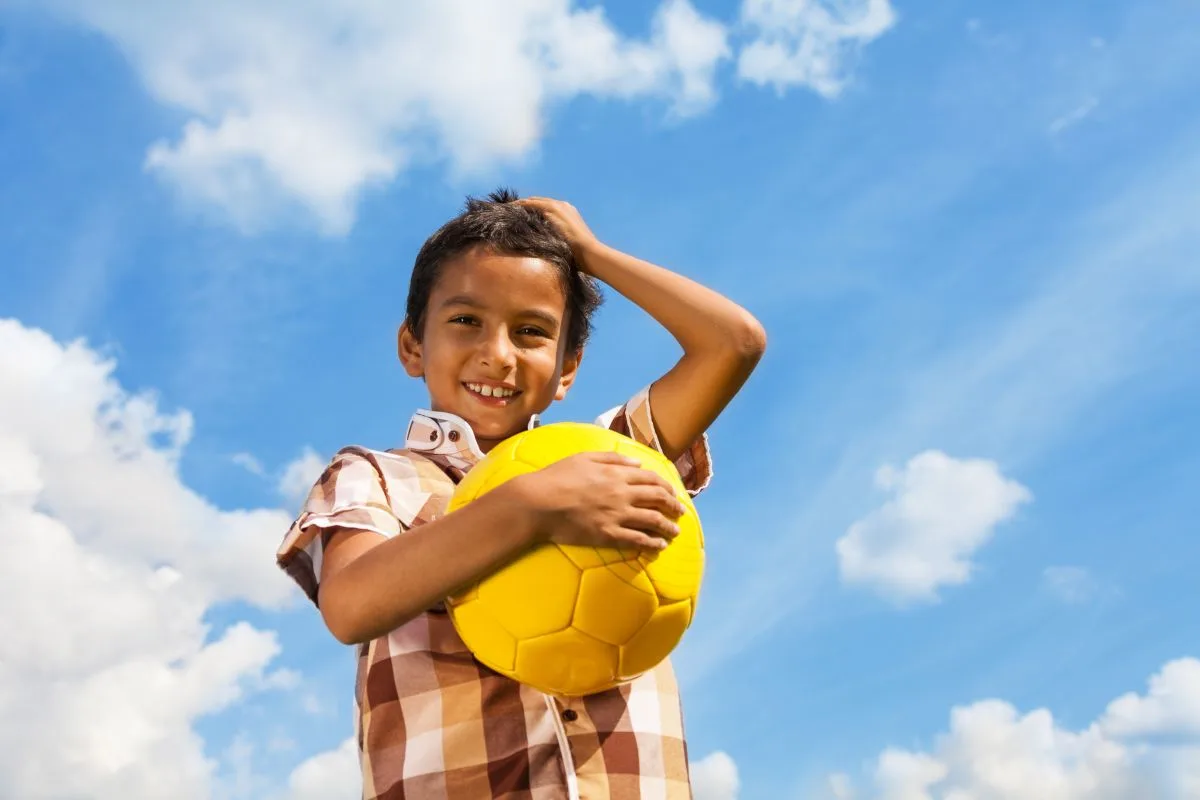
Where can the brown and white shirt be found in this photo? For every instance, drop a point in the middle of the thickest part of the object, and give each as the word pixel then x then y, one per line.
pixel 435 724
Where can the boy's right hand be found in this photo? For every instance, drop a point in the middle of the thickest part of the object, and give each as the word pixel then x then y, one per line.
pixel 600 500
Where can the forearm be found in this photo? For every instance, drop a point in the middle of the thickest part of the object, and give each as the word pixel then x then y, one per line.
pixel 397 579
pixel 701 320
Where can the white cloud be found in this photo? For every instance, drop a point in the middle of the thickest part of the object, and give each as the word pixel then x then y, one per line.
pixel 1142 746
pixel 840 786
pixel 1072 585
pixel 942 510
pixel 332 775
pixel 715 777
pixel 305 105
pixel 809 42
pixel 906 776
pixel 107 569
pixel 249 463
pixel 335 775
pixel 310 102
pixel 299 476
pixel 1171 707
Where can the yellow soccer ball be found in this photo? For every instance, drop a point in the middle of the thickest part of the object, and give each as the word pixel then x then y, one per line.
pixel 571 620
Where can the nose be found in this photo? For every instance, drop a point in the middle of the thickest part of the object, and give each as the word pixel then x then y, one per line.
pixel 496 349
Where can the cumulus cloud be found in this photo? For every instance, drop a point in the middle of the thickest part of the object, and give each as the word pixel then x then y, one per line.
pixel 299 475
pixel 809 42
pixel 309 102
pixel 305 105
pixel 942 510
pixel 1143 745
pixel 332 775
pixel 715 777
pixel 108 566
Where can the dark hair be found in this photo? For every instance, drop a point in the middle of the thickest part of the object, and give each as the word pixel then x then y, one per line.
pixel 506 228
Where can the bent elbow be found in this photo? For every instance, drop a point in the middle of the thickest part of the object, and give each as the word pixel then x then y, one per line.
pixel 750 340
pixel 340 624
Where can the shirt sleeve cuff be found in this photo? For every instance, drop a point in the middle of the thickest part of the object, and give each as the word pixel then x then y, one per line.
pixel 635 419
pixel 301 553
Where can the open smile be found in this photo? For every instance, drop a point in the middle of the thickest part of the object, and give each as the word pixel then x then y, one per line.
pixel 491 394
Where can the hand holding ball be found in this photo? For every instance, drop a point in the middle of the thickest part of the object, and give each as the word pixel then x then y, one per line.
pixel 572 619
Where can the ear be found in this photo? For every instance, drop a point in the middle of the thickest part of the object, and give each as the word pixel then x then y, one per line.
pixel 570 368
pixel 409 350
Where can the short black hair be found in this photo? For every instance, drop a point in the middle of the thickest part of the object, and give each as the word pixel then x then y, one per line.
pixel 505 228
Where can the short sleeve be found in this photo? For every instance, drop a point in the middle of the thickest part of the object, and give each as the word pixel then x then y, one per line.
pixel 635 419
pixel 354 492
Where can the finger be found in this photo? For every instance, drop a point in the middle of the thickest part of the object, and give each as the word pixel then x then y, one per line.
pixel 611 457
pixel 652 523
pixel 659 499
pixel 646 477
pixel 631 537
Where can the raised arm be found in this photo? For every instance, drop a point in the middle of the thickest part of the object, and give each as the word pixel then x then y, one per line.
pixel 722 342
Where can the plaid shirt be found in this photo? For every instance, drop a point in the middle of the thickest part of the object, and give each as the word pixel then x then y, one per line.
pixel 432 722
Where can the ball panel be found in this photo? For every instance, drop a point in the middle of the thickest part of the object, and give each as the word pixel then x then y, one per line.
pixel 554 618
pixel 611 609
pixel 534 595
pixel 567 663
pixel 618 555
pixel 677 578
pixel 583 557
pixel 677 571
pixel 655 641
pixel 485 637
pixel 547 444
pixel 498 467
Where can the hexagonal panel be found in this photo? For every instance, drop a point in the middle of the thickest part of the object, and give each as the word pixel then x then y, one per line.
pixel 611 609
pixel 533 595
pixel 484 637
pixel 567 663
pixel 656 640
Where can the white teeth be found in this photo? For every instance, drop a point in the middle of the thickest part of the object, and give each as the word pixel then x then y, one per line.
pixel 490 391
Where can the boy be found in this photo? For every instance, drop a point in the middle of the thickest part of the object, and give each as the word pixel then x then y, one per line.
pixel 498 313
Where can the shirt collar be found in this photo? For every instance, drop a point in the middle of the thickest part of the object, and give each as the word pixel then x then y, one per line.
pixel 438 433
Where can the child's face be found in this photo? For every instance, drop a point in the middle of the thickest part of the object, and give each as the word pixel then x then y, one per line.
pixel 493 350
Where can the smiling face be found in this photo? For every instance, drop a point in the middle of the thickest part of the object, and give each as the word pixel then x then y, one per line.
pixel 493 349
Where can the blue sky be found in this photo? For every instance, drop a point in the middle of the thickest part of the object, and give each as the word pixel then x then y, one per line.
pixel 977 257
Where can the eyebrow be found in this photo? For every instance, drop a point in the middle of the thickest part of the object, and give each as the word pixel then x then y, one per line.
pixel 470 302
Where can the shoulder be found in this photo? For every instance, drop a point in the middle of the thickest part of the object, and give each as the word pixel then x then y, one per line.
pixel 362 489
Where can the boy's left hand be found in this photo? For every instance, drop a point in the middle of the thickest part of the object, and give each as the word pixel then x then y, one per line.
pixel 569 222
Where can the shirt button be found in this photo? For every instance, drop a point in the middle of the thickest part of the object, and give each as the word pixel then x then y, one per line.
pixel 569 715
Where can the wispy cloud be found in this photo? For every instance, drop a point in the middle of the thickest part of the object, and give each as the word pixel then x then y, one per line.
pixel 1107 303
pixel 1074 116
pixel 1072 585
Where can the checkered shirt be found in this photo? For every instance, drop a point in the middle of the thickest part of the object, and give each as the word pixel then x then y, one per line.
pixel 432 722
